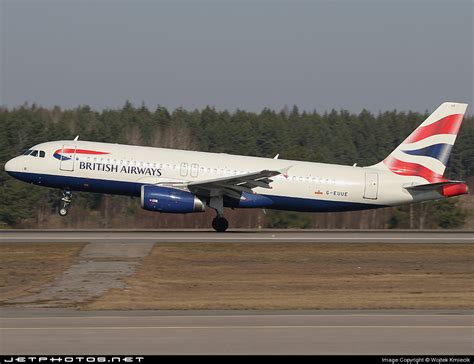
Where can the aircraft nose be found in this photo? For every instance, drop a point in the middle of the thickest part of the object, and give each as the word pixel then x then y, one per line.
pixel 10 165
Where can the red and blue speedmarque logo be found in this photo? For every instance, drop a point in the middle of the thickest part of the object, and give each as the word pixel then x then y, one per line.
pixel 60 153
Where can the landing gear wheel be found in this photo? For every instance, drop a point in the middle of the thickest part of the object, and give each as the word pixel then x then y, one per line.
pixel 66 200
pixel 220 224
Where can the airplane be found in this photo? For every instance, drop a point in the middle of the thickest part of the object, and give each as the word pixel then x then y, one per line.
pixel 182 181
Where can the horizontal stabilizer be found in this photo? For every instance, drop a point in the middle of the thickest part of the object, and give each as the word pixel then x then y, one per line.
pixel 432 186
pixel 446 189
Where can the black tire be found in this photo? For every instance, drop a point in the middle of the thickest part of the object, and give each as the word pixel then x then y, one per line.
pixel 62 211
pixel 220 224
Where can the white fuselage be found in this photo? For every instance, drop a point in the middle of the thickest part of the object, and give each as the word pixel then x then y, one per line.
pixel 123 169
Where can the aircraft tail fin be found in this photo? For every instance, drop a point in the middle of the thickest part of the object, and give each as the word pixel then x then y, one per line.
pixel 425 153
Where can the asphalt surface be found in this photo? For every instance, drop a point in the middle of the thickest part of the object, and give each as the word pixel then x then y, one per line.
pixel 377 332
pixel 238 236
pixel 27 331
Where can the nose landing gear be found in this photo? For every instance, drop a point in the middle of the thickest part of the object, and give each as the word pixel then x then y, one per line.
pixel 66 200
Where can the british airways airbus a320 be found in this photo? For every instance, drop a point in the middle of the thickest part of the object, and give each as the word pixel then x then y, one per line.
pixel 180 181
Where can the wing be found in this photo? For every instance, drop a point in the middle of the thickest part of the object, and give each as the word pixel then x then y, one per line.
pixel 231 186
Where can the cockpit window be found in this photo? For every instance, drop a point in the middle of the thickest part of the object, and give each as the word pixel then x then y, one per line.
pixel 35 153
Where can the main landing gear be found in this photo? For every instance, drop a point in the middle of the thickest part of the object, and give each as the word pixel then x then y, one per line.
pixel 220 223
pixel 66 200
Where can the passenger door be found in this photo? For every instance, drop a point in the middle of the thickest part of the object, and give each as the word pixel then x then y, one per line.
pixel 371 186
pixel 68 156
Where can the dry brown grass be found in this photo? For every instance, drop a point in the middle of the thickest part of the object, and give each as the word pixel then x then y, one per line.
pixel 24 267
pixel 299 276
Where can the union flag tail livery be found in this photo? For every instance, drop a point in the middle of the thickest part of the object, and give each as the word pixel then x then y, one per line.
pixel 179 181
pixel 425 153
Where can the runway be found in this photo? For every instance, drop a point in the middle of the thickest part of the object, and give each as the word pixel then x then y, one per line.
pixel 239 236
pixel 153 332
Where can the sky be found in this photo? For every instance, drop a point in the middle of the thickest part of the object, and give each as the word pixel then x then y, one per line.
pixel 343 54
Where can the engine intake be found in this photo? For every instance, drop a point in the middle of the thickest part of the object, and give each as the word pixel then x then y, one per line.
pixel 172 200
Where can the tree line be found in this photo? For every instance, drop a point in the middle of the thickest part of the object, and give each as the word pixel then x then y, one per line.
pixel 337 136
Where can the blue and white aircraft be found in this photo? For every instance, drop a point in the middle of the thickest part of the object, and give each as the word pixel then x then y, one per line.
pixel 180 181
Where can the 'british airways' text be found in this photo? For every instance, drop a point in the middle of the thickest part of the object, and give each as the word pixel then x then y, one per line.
pixel 106 167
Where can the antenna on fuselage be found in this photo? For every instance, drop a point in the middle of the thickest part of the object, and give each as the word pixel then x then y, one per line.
pixel 276 157
pixel 76 138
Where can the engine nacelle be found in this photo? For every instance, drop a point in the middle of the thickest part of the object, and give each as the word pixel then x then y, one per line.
pixel 165 199
pixel 249 200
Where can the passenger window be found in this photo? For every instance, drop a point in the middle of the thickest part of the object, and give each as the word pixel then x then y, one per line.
pixel 34 153
pixel 42 154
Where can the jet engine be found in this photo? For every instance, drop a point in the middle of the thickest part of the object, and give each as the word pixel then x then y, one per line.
pixel 165 199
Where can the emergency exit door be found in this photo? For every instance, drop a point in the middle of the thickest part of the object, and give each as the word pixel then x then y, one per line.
pixel 371 186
